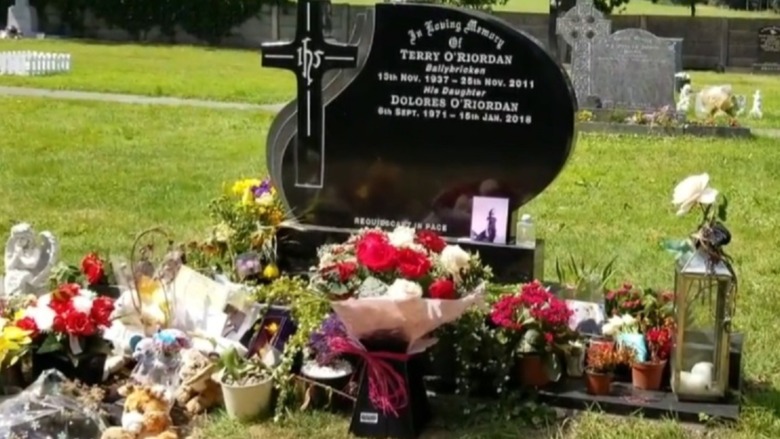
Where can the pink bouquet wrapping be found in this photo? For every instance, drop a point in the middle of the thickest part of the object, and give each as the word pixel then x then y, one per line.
pixel 391 291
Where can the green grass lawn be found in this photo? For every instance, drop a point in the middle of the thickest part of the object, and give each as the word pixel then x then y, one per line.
pixel 635 7
pixel 180 71
pixel 97 173
pixel 233 75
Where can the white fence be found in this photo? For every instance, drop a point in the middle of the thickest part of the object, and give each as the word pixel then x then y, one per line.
pixel 27 63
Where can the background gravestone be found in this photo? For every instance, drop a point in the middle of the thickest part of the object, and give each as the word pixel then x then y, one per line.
pixel 768 50
pixel 446 105
pixel 581 27
pixel 634 69
pixel 677 47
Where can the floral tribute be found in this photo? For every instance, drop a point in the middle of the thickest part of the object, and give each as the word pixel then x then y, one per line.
pixel 391 290
pixel 534 319
pixel 69 321
pixel 398 264
pixel 242 240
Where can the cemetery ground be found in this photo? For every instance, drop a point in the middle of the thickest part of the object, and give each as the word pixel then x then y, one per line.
pixel 97 173
pixel 236 75
pixel 634 7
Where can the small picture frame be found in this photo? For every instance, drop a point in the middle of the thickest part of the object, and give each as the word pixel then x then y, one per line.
pixel 490 220
pixel 587 317
pixel 248 265
pixel 271 331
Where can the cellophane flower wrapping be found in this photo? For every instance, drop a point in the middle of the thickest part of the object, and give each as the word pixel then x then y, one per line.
pixel 43 411
pixel 398 286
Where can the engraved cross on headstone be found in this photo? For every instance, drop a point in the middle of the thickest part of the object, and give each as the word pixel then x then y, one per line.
pixel 309 56
pixel 581 27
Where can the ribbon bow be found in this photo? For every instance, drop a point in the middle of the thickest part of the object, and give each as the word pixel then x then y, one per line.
pixel 386 387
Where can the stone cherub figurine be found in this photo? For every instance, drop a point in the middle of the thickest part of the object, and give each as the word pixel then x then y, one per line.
pixel 28 263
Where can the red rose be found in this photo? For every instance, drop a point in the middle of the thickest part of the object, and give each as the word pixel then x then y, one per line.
pixel 430 240
pixel 66 292
pixel 102 307
pixel 548 337
pixel 346 270
pixel 413 264
pixel 79 324
pixel 60 306
pixel 442 289
pixel 92 267
pixel 28 324
pixel 59 324
pixel 374 251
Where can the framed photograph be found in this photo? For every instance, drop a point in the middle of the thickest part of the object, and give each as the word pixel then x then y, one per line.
pixel 489 220
pixel 587 317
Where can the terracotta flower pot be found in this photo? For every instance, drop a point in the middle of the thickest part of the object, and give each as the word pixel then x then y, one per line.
pixel 647 375
pixel 531 371
pixel 603 341
pixel 598 383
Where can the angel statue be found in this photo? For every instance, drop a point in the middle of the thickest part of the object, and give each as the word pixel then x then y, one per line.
pixel 28 264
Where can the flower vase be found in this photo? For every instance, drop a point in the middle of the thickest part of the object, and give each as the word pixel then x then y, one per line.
pixel 635 342
pixel 532 371
pixel 648 375
pixel 575 362
pixel 89 370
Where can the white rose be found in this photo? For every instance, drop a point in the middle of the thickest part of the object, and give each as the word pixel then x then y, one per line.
pixel 692 190
pixel 608 329
pixel 87 293
pixel 402 289
pixel 402 236
pixel 44 300
pixel 454 259
pixel 82 303
pixel 628 320
pixel 43 317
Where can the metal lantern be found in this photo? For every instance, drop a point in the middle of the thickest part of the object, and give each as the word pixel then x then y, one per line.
pixel 705 290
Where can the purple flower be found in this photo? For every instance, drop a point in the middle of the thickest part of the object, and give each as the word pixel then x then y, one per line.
pixel 262 188
pixel 331 327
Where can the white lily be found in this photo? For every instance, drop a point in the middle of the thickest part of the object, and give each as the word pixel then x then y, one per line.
pixel 691 191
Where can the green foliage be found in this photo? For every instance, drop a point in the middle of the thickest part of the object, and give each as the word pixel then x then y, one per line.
pixel 610 6
pixel 209 20
pixel 238 370
pixel 584 281
pixel 484 5
pixel 308 310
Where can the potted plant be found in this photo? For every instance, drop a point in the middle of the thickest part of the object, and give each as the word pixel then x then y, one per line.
pixel 247 385
pixel 602 359
pixel 647 375
pixel 324 368
pixel 536 324
pixel 66 328
pixel 625 330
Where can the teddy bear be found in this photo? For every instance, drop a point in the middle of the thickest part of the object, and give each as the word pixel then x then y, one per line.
pixel 146 414
pixel 197 392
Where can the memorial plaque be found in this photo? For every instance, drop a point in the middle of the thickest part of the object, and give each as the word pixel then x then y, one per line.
pixel 634 69
pixel 768 50
pixel 444 105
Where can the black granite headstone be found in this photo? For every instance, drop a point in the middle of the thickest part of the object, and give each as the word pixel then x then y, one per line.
pixel 768 50
pixel 444 105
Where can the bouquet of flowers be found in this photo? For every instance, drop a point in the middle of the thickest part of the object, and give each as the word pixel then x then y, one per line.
pixel 391 290
pixel 659 343
pixel 246 217
pixel 534 320
pixel 68 322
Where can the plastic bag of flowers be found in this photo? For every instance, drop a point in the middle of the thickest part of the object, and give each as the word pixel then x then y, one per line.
pixel 391 290
pixel 45 411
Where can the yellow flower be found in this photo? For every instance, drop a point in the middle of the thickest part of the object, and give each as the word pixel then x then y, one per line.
pixel 19 314
pixel 241 187
pixel 12 341
pixel 272 328
pixel 271 271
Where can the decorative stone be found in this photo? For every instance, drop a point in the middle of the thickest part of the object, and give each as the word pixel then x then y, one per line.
pixel 28 263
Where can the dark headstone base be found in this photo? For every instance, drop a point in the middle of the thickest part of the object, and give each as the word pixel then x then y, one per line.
pixel 297 253
pixel 625 400
pixel 657 130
